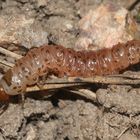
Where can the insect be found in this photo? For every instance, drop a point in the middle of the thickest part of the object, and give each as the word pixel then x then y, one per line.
pixel 61 61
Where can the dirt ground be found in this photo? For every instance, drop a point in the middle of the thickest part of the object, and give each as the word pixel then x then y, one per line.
pixel 66 116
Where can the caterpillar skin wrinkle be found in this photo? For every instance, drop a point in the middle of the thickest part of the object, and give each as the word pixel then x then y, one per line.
pixel 60 61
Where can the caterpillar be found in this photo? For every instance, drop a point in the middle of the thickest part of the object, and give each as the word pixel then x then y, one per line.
pixel 61 61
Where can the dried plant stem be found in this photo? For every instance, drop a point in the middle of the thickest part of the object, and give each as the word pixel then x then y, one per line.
pixel 51 86
pixel 85 93
pixel 73 82
pixel 6 63
pixel 109 80
pixel 9 53
pixel 4 67
pixel 96 79
pixel 126 129
pixel 130 75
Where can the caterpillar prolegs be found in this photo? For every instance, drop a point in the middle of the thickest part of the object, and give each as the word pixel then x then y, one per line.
pixel 61 61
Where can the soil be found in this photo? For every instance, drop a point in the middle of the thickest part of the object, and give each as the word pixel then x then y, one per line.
pixel 65 116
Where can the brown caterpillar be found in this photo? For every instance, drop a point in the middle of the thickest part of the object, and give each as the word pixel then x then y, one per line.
pixel 47 60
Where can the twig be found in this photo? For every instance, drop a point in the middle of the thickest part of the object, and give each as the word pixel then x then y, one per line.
pixel 106 80
pixel 128 75
pixel 96 79
pixel 4 67
pixel 72 81
pixel 82 92
pixel 9 53
pixel 126 129
pixel 51 86
pixel 85 93
pixel 91 94
pixel 6 63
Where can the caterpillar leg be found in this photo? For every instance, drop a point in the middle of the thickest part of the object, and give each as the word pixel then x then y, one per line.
pixel 41 82
pixel 20 99
pixel 3 107
pixel 40 86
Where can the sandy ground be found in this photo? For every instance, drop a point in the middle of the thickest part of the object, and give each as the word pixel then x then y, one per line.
pixel 64 116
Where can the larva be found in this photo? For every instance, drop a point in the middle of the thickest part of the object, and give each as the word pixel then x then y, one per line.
pixel 49 59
